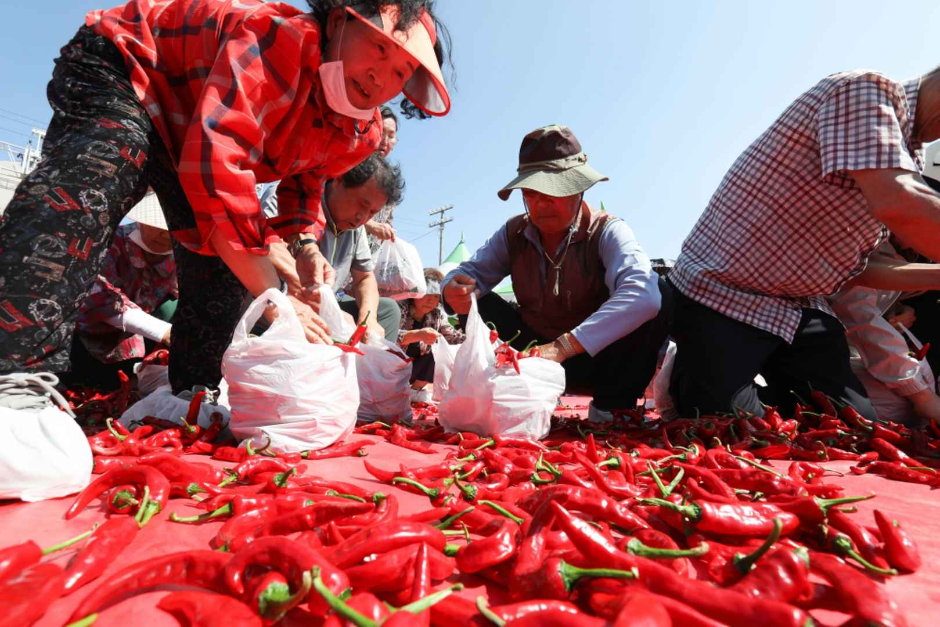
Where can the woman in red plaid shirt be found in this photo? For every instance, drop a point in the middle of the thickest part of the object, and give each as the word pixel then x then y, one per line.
pixel 201 100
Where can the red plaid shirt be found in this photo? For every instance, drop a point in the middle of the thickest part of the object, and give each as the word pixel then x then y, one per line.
pixel 233 90
pixel 788 224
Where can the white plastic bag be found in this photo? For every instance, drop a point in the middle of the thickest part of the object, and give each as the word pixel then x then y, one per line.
pixel 444 355
pixel 163 404
pixel 384 390
pixel 488 400
pixel 398 270
pixel 151 377
pixel 42 456
pixel 301 395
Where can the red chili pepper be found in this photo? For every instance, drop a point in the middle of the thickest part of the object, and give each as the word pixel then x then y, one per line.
pixel 814 510
pixel 494 549
pixel 720 603
pixel 360 331
pixel 823 404
pixel 590 501
pixel 242 523
pixel 291 558
pixel 894 470
pixel 743 519
pixel 384 538
pixel 199 569
pixel 198 608
pixel 142 476
pixel 608 604
pixel 866 601
pixel 102 548
pixel 922 352
pixel 867 545
pixel 15 559
pixel 395 570
pixel 230 454
pixel 305 519
pixel 899 548
pixel 26 596
pixel 177 470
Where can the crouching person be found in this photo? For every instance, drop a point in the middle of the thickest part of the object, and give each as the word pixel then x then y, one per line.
pixel 348 203
pixel 586 291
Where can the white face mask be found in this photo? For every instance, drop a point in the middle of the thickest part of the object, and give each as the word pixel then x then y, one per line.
pixel 333 81
pixel 137 239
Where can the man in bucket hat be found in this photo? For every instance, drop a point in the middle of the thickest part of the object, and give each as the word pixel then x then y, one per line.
pixel 587 292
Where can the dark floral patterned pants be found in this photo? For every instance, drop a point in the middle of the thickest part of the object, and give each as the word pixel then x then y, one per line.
pixel 101 153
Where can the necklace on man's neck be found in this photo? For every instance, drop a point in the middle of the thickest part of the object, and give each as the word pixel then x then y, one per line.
pixel 564 254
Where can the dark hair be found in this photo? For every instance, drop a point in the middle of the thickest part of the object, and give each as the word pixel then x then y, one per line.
pixel 410 11
pixel 386 175
pixel 434 274
pixel 388 114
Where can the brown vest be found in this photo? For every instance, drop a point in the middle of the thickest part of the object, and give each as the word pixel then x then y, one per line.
pixel 581 289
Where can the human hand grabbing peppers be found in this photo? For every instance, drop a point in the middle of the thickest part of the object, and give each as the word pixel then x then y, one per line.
pixel 457 293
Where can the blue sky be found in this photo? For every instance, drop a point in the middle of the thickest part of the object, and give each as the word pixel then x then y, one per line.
pixel 663 96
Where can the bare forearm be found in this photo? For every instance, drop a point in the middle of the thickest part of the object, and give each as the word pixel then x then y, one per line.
pixel 366 293
pixel 911 210
pixel 883 273
pixel 256 272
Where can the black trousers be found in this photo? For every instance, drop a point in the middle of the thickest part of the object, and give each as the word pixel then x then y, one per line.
pixel 422 368
pixel 617 376
pixel 100 155
pixel 717 359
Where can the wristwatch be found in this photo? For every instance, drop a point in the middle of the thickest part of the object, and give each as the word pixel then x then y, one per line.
pixel 296 247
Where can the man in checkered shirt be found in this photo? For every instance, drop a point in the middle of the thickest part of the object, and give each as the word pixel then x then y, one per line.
pixel 794 219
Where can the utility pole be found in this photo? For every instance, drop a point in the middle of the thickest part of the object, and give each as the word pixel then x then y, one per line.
pixel 440 225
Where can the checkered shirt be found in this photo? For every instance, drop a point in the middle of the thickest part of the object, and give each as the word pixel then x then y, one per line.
pixel 232 88
pixel 788 224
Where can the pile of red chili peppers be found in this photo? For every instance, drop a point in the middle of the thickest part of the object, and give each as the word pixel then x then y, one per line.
pixel 682 523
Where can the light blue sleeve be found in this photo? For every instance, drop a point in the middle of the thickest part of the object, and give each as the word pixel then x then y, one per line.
pixel 489 264
pixel 634 290
pixel 268 199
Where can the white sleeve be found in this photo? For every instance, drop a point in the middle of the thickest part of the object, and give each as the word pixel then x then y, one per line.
pixel 139 322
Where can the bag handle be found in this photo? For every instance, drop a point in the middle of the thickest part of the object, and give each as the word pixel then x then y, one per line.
pixel 332 314
pixel 285 315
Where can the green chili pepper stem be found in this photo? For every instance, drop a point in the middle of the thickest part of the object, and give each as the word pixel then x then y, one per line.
pixel 280 479
pixel 548 467
pixel 88 620
pixel 537 480
pixel 470 457
pixel 487 444
pixel 844 545
pixel 447 522
pixel 277 596
pixel 570 575
pixel 232 478
pixel 378 497
pixel 144 503
pixel 337 605
pixel 451 550
pixel 225 510
pixel 655 470
pixel 68 543
pixel 530 345
pixel 675 480
pixel 803 553
pixel 351 497
pixel 691 511
pixel 613 461
pixel 194 488
pixel 513 338
pixel 759 465
pixel 825 504
pixel 420 605
pixel 636 547
pixel 659 482
pixel 452 533
pixel 744 563
pixel 502 511
pixel 431 493
pixel 110 424
pixel 469 492
pixel 124 497
pixel 489 614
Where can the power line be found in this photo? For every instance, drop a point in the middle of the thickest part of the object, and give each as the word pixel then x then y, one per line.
pixel 20 133
pixel 20 115
pixel 15 121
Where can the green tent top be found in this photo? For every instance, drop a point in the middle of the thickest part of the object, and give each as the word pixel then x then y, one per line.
pixel 460 253
pixel 504 289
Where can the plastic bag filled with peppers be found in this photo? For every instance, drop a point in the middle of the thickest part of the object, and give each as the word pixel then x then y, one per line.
pixel 398 270
pixel 301 395
pixel 491 393
pixel 382 370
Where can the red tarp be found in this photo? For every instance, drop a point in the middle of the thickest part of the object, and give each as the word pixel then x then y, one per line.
pixel 918 507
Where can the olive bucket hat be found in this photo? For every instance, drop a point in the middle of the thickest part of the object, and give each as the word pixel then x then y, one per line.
pixel 551 162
